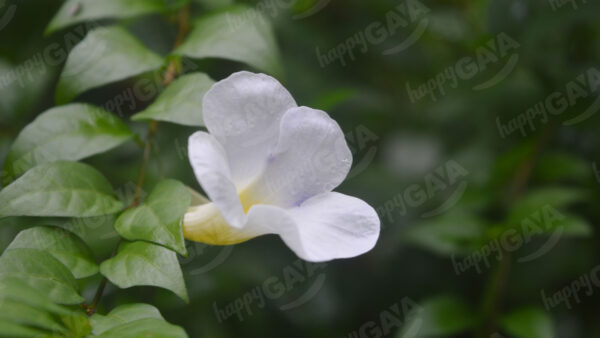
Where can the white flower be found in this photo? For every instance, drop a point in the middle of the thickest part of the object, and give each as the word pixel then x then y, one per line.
pixel 269 167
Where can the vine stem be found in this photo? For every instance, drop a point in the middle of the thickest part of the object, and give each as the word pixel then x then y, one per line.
pixel 498 280
pixel 172 71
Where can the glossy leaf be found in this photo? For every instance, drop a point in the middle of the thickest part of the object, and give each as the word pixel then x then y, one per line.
pixel 142 263
pixel 104 56
pixel 62 245
pixel 13 289
pixel 66 189
pixel 147 327
pixel 76 11
pixel 43 272
pixel 27 315
pixel 70 132
pixel 240 34
pixel 122 315
pixel 159 219
pixel 528 323
pixel 181 102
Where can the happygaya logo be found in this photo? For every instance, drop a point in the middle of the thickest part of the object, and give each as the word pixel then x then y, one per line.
pixel 204 258
pixel 448 182
pixel 297 284
pixel 7 13
pixel 363 145
pixel 585 88
pixel 538 223
pixel 498 52
pixel 405 315
pixel 407 14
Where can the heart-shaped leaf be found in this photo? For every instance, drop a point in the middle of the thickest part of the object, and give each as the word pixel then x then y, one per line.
pixel 240 34
pixel 122 315
pixel 142 263
pixel 76 11
pixel 43 272
pixel 158 220
pixel 147 327
pixel 60 243
pixel 64 189
pixel 70 133
pixel 181 102
pixel 104 56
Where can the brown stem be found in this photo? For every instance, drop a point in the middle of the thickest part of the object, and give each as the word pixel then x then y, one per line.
pixel 498 280
pixel 173 70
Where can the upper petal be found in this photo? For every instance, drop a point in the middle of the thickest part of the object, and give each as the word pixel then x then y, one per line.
pixel 311 157
pixel 243 112
pixel 325 227
pixel 211 168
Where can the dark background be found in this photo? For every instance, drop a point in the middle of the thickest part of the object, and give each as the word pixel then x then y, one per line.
pixel 401 148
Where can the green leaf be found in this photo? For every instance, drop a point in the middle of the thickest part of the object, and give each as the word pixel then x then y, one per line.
pixel 439 316
pixel 536 200
pixel 148 327
pixel 12 329
pixel 142 263
pixel 76 11
pixel 181 102
pixel 65 189
pixel 27 315
pixel 13 288
pixel 456 232
pixel 123 315
pixel 240 34
pixel 159 219
pixel 528 323
pixel 104 56
pixel 43 272
pixel 62 245
pixel 77 323
pixel 71 133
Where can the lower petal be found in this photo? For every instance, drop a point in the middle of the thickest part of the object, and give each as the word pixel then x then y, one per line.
pixel 325 227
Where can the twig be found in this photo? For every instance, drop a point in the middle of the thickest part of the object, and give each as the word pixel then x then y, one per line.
pixel 173 70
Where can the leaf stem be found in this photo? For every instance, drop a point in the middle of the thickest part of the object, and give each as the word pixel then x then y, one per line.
pixel 173 70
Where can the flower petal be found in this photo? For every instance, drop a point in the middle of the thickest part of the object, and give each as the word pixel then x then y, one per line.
pixel 211 168
pixel 312 157
pixel 325 227
pixel 243 112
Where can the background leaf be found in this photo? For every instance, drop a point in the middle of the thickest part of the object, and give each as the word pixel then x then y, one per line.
pixel 67 189
pixel 147 327
pixel 76 11
pixel 70 133
pixel 105 55
pixel 141 263
pixel 239 34
pixel 62 245
pixel 181 102
pixel 528 323
pixel 43 272
pixel 158 220
pixel 122 315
